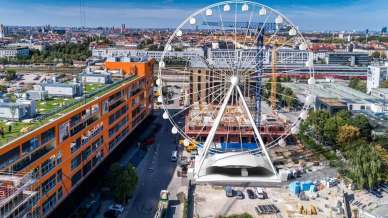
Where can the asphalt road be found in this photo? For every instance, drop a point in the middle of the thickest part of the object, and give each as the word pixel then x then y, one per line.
pixel 155 172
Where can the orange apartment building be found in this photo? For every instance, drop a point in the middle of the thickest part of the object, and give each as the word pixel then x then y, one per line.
pixel 60 154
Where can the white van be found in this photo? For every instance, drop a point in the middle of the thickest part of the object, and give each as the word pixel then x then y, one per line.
pixel 174 156
pixel 260 193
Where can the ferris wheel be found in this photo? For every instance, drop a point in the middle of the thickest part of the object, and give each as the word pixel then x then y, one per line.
pixel 223 74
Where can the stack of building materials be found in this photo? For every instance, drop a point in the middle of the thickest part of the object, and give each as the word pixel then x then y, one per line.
pixel 305 186
pixel 294 187
pixel 299 187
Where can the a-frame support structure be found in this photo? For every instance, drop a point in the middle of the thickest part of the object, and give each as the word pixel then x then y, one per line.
pixel 234 85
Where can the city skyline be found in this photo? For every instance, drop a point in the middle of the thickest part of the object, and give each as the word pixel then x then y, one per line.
pixel 353 14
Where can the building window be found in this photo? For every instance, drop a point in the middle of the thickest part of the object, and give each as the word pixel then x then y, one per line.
pixel 76 178
pixel 74 146
pixel 49 184
pixel 49 203
pixel 30 145
pixel 86 153
pixel 59 176
pixel 47 166
pixel 59 193
pixel 75 162
pixel 48 135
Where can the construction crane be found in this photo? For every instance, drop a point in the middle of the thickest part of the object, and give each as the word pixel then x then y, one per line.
pixel 274 79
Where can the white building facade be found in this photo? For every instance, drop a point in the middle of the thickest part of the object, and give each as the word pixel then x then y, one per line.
pixel 8 52
pixel 375 75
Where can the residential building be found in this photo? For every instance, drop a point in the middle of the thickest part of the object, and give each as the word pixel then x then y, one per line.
pixel 375 76
pixel 60 151
pixel 2 32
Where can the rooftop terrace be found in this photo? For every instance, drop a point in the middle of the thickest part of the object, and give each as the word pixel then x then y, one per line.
pixel 53 108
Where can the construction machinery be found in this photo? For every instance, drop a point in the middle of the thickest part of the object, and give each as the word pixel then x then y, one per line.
pixel 191 146
pixel 312 210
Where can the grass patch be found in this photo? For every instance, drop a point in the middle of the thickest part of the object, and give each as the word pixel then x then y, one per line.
pixel 45 106
pixel 92 87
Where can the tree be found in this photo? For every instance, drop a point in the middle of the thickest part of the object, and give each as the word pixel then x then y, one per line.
pixel 3 88
pixel 347 134
pixel 330 129
pixel 375 55
pixel 122 187
pixel 316 121
pixel 133 176
pixel 114 171
pixel 384 84
pixel 10 74
pixel 365 166
pixel 358 84
pixel 362 123
pixel 122 181
pixel 332 125
pixel 289 97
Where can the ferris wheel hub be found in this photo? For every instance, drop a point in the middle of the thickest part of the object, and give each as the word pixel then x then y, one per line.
pixel 234 80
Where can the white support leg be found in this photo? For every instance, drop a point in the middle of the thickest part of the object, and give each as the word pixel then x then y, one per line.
pixel 255 129
pixel 213 131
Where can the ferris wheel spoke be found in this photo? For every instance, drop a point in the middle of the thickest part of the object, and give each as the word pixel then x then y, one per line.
pixel 188 107
pixel 239 127
pixel 213 114
pixel 261 49
pixel 191 93
pixel 246 34
pixel 277 93
pixel 193 73
pixel 258 35
pixel 235 39
pixel 223 73
pixel 280 72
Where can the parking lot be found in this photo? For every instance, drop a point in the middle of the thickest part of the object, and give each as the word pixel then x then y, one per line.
pixel 211 201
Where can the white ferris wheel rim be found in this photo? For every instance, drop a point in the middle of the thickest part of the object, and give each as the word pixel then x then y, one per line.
pixel 311 73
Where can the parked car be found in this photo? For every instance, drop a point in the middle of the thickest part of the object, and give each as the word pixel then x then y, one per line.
pixel 117 207
pixel 174 156
pixel 384 185
pixel 260 193
pixel 240 195
pixel 376 193
pixel 229 191
pixel 251 194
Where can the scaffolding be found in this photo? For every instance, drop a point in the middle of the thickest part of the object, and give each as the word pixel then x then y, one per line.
pixel 16 194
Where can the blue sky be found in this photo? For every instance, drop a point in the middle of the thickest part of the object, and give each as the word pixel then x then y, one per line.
pixel 307 14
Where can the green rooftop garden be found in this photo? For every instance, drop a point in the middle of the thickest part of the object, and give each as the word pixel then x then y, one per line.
pixel 45 106
pixel 50 109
